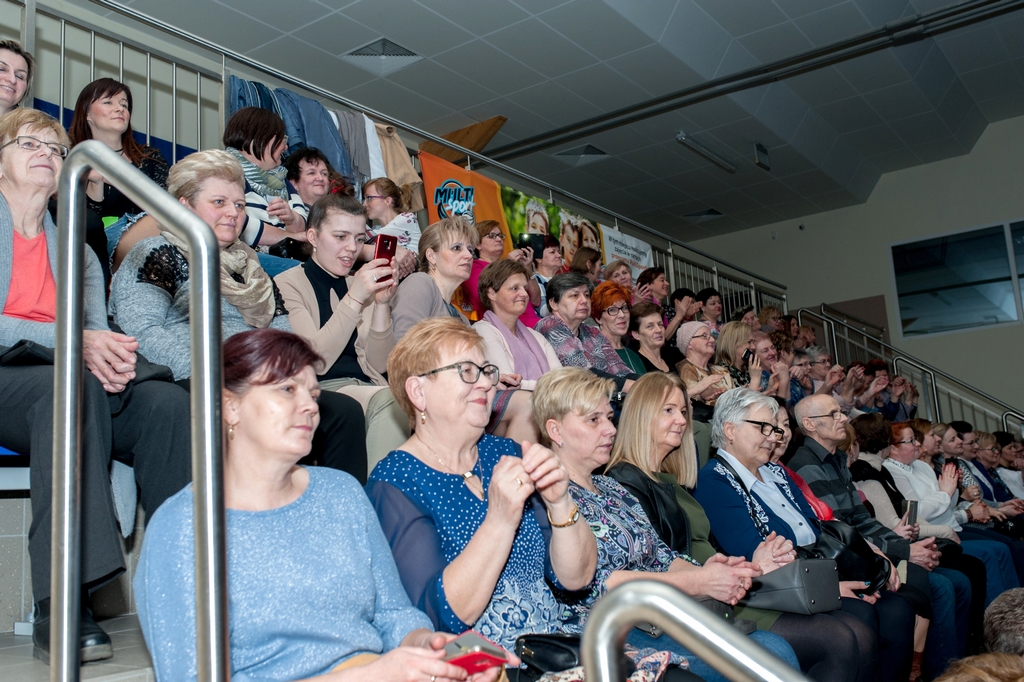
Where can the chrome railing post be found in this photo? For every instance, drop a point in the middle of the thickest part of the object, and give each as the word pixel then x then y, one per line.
pixel 708 636
pixel 213 663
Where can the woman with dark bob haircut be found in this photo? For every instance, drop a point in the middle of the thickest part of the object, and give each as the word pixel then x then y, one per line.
pixel 345 614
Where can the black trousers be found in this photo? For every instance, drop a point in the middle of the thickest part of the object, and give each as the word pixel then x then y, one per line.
pixel 891 618
pixel 340 440
pixel 148 428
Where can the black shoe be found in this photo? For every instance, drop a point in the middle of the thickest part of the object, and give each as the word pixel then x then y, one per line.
pixel 93 641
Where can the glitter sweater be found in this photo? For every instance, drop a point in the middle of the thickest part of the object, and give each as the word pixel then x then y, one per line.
pixel 310 584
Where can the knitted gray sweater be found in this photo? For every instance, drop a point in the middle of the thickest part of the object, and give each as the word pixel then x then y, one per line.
pixel 12 329
pixel 149 300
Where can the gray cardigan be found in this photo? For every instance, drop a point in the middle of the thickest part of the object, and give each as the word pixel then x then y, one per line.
pixel 13 330
pixel 149 300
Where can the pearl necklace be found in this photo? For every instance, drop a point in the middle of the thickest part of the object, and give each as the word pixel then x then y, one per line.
pixel 469 478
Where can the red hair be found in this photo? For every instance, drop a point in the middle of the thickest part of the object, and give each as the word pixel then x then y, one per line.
pixel 897 432
pixel 605 295
pixel 265 356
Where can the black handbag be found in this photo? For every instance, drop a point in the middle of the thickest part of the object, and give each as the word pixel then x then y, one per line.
pixel 550 653
pixel 854 557
pixel 803 586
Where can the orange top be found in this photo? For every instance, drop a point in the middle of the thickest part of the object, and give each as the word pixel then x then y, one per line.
pixel 32 294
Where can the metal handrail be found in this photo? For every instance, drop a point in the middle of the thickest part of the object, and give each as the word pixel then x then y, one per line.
pixel 709 637
pixel 825 309
pixel 1007 415
pixel 468 153
pixel 931 380
pixel 827 326
pixel 205 346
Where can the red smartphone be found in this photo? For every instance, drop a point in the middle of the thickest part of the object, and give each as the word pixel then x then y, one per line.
pixel 385 247
pixel 474 653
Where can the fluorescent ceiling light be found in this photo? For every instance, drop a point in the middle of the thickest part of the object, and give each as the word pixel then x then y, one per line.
pixel 689 141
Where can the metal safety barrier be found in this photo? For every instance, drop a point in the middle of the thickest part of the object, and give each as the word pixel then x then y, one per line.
pixel 711 638
pixel 205 345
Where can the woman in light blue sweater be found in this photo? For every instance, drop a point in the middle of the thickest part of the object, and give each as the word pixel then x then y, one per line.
pixel 312 587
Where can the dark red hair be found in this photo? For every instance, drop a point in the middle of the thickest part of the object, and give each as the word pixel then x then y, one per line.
pixel 873 366
pixel 897 432
pixel 265 356
pixel 80 130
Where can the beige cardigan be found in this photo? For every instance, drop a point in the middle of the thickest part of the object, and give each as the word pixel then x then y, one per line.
pixel 372 347
pixel 496 350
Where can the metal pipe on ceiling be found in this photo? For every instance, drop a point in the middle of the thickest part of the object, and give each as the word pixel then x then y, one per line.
pixel 896 33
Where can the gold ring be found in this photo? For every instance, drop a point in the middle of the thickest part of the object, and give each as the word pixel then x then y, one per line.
pixel 518 481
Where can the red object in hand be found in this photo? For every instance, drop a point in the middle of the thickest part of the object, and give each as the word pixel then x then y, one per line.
pixel 385 247
pixel 474 653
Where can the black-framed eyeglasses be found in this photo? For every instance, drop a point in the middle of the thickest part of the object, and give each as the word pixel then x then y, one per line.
pixel 702 336
pixel 32 144
pixel 910 442
pixel 836 415
pixel 617 310
pixel 989 450
pixel 469 372
pixel 496 235
pixel 826 361
pixel 767 428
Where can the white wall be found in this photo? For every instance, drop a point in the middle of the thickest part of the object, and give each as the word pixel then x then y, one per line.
pixel 844 254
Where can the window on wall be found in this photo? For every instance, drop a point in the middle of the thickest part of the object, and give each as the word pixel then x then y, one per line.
pixel 960 281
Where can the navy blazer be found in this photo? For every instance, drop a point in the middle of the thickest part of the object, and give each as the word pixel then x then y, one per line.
pixel 727 510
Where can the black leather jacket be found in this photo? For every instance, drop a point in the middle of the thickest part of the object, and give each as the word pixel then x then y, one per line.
pixel 659 503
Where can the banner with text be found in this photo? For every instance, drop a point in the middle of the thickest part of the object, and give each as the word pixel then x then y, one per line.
pixel 619 246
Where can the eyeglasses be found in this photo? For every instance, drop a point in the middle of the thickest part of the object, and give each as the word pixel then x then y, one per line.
pixel 910 442
pixel 496 235
pixel 802 364
pixel 31 144
pixel 989 450
pixel 767 428
pixel 826 361
pixel 835 414
pixel 469 372
pixel 372 196
pixel 615 311
pixel 701 336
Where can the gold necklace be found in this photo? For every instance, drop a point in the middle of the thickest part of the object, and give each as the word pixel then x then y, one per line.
pixel 469 478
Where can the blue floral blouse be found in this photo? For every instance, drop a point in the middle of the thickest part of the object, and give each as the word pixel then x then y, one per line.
pixel 429 517
pixel 626 541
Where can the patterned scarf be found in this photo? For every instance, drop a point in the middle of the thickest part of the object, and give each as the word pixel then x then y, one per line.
pixel 266 183
pixel 253 297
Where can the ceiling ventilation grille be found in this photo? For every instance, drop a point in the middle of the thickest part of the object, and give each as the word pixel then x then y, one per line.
pixel 704 216
pixel 381 57
pixel 581 156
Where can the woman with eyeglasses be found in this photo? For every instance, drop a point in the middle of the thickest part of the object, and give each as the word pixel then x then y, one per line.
pixel 385 204
pixel 704 381
pixel 483 529
pixel 609 305
pixel 491 249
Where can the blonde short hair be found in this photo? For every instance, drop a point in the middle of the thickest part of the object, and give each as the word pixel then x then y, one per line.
pixel 186 177
pixel 728 338
pixel 990 667
pixel 635 442
pixel 420 351
pixel 565 390
pixel 985 439
pixel 767 313
pixel 16 119
pixel 443 233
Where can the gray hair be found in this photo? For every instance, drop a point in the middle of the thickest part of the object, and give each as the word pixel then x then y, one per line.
pixel 559 284
pixel 733 406
pixel 816 352
pixel 800 355
pixel 1004 629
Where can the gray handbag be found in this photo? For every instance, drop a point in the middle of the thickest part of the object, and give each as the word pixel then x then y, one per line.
pixel 802 586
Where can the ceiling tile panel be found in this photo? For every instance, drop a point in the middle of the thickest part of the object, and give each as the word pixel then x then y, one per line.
pixel 821 86
pixel 776 42
pixel 269 12
pixel 650 16
pixel 771 193
pixel 618 173
pixel 696 39
pixel 538 165
pixel 864 179
pixel 937 150
pixel 874 140
pixel 623 202
pixel 732 202
pixel 972 128
pixel 660 193
pixel 973 48
pixel 798 8
pixel 814 138
pixel 1010 30
pixel 781 111
pixel 442 85
pixel 656 70
pixel 487 66
pixel 540 48
pixel 787 161
pixel 479 18
pixel 420 30
pixel 580 184
pixel 881 12
pixel 714 113
pixel 898 101
pixel 833 23
pixel 835 200
pixel 446 124
pixel 701 183
pixel 917 130
pixel 740 17
pixel 538 6
pixel 603 86
pixel 955 106
pixel 556 104
pixel 849 114
pixel 895 159
pixel 336 34
pixel 664 127
pixel 991 82
pixel 232 29
pixel 812 183
pixel 740 137
pixel 305 61
pixel 522 122
pixel 872 71
pixel 796 209
pixel 842 162
pixel 664 160
pixel 397 101
pixel 935 76
pixel 912 55
pixel 1002 108
pixel 619 140
pixel 597 28
pixel 759 216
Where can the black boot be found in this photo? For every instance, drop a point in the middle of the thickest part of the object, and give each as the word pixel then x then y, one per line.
pixel 94 643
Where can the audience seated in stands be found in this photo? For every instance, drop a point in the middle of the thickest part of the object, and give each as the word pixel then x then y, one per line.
pixel 16 70
pixel 1010 463
pixel 521 354
pixel 149 295
pixel 587 262
pixel 655 461
pixel 743 486
pixel 620 272
pixel 1004 627
pixel 791 326
pixel 770 318
pixel 478 525
pixel 573 406
pixel 992 667
pixel 609 306
pixel 652 286
pixel 710 301
pixel 346 317
pixel 774 370
pixel 490 250
pixel 345 614
pixel 311 173
pixel 129 408
pixel 734 350
pixel 704 380
pixel 578 344
pixel 386 205
pixel 747 316
pixel 545 266
pixel 648 332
